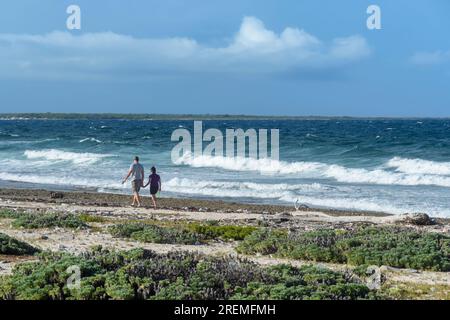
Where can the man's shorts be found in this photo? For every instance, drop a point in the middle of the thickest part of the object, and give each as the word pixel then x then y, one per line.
pixel 136 185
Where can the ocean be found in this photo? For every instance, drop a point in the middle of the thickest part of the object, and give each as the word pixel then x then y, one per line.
pixel 392 166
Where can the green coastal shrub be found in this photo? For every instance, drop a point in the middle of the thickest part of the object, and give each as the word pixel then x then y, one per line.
pixel 305 283
pixel 9 214
pixel 11 246
pixel 390 246
pixel 48 220
pixel 155 234
pixel 398 248
pixel 91 218
pixel 43 220
pixel 225 232
pixel 45 279
pixel 264 241
pixel 183 233
pixel 144 274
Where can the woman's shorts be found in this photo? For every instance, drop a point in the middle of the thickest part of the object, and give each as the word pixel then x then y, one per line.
pixel 154 189
pixel 136 185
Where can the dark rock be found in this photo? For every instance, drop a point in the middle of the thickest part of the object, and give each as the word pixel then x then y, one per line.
pixel 300 206
pixel 56 195
pixel 283 217
pixel 285 214
pixel 418 219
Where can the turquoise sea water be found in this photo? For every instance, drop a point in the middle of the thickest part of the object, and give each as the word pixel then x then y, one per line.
pixel 393 166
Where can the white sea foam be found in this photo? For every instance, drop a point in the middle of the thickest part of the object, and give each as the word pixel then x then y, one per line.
pixel 316 170
pixel 62 180
pixel 347 202
pixel 222 185
pixel 45 140
pixel 26 164
pixel 415 166
pixel 9 134
pixel 314 195
pixel 240 189
pixel 91 140
pixel 267 166
pixel 59 155
pixel 383 177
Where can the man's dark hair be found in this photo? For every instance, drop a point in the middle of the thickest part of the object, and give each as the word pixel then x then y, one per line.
pixel 136 158
pixel 153 170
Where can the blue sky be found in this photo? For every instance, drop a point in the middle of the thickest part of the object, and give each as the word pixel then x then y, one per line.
pixel 269 57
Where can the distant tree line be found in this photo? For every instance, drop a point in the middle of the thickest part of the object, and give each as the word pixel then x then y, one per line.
pixel 157 116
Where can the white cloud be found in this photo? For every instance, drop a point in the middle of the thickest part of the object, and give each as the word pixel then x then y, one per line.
pixel 253 49
pixel 349 48
pixel 431 58
pixel 253 36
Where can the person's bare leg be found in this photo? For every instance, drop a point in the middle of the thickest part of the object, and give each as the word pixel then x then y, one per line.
pixel 154 201
pixel 138 199
pixel 134 199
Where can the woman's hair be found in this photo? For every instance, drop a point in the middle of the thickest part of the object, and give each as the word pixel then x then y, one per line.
pixel 153 170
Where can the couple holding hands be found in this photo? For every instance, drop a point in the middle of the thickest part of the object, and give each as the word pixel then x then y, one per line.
pixel 136 172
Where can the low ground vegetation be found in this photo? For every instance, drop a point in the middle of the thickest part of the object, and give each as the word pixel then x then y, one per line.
pixel 11 246
pixel 28 220
pixel 224 232
pixel 153 233
pixel 181 233
pixel 144 274
pixel 391 246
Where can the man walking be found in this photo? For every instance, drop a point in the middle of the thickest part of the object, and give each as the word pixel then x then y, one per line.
pixel 137 178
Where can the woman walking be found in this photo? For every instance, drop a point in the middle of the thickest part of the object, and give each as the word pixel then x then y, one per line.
pixel 155 185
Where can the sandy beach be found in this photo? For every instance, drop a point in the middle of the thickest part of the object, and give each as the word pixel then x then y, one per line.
pixel 108 209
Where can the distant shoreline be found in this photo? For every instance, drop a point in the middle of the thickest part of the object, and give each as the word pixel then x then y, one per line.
pixel 191 117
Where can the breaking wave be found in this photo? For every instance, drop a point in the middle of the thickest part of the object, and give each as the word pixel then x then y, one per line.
pixel 379 176
pixel 414 166
pixel 62 180
pixel 314 195
pixel 239 189
pixel 59 155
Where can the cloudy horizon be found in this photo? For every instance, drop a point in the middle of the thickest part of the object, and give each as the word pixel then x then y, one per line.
pixel 241 57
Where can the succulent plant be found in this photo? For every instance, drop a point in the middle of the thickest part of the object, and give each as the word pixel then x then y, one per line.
pixel 11 246
pixel 392 246
pixel 144 274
